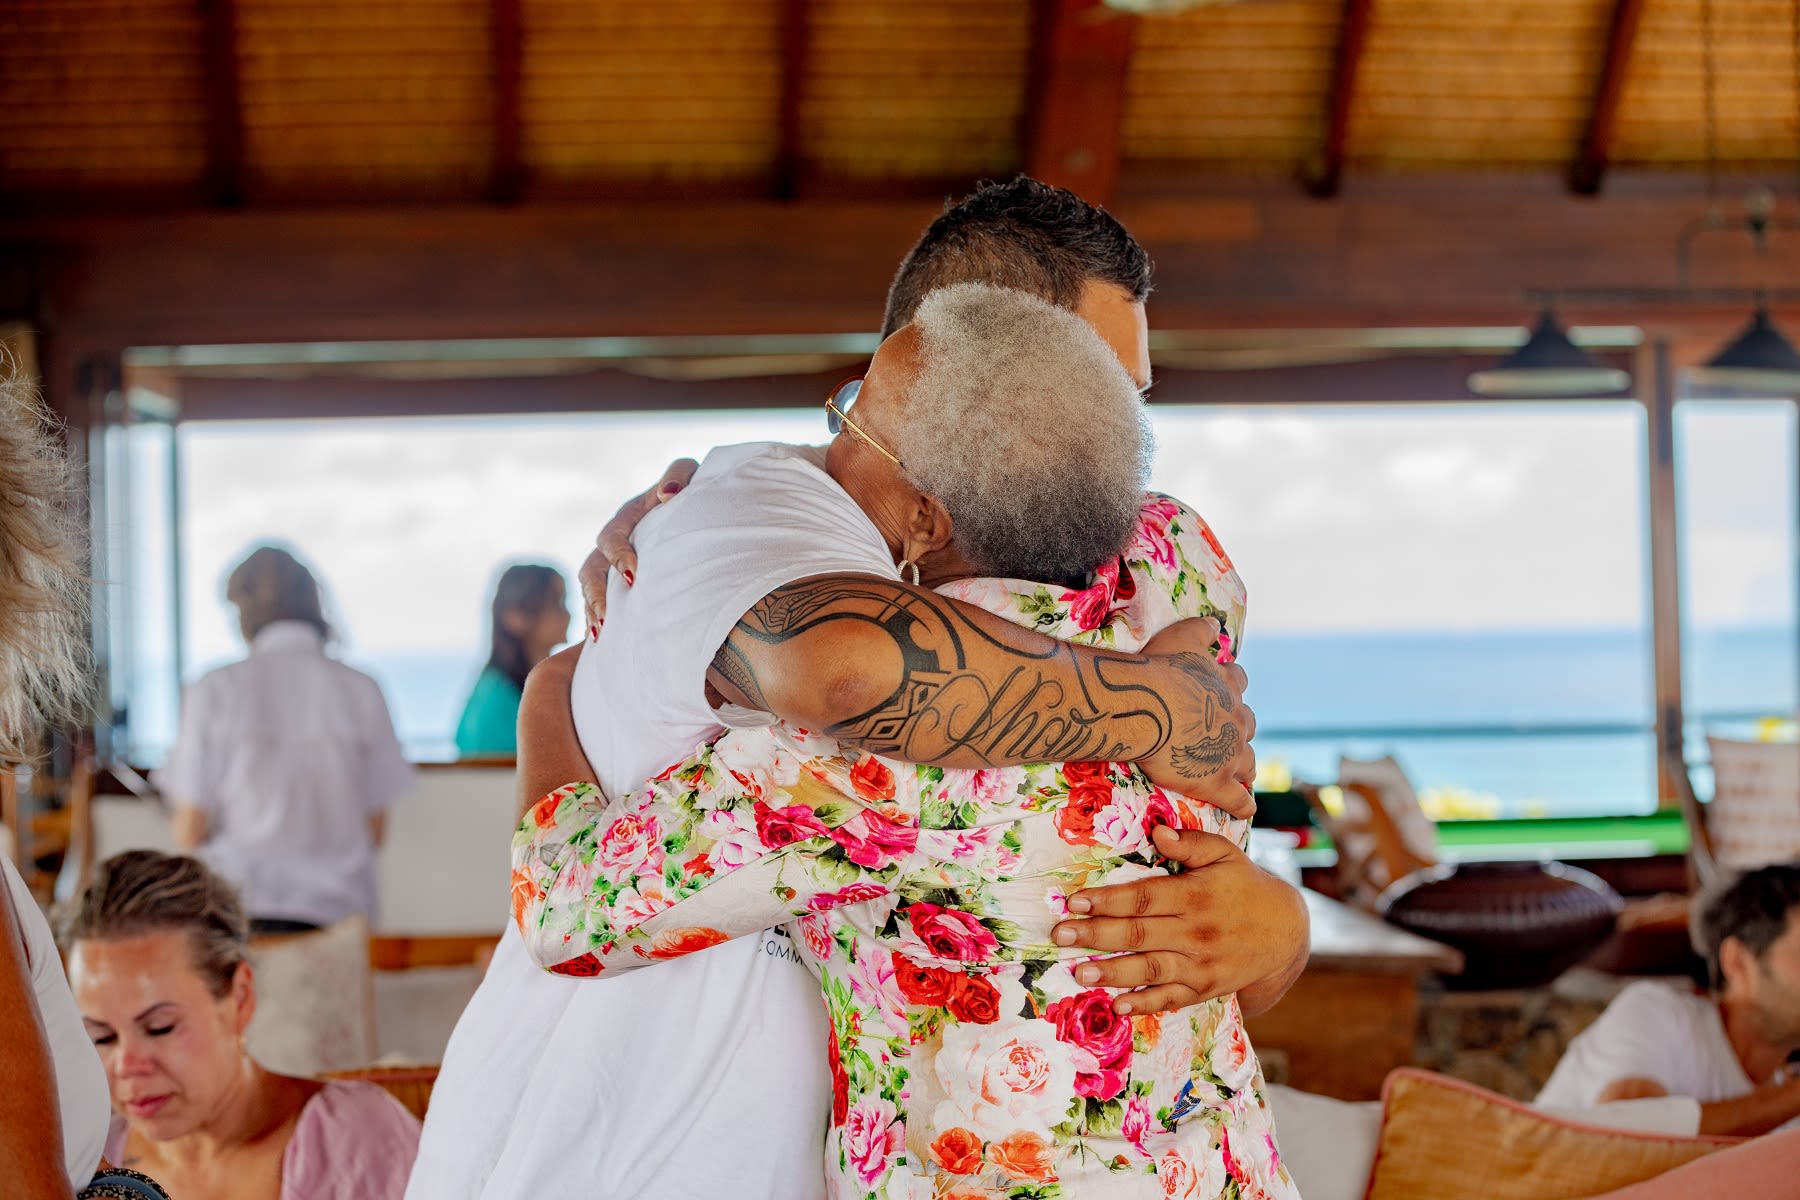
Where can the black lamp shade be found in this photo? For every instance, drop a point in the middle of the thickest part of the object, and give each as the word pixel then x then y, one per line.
pixel 1760 360
pixel 1549 364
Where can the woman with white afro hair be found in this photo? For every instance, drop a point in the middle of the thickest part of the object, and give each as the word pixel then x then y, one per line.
pixel 1031 434
pixel 999 449
pixel 53 1105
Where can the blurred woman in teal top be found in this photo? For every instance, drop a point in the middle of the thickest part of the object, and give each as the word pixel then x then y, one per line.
pixel 531 618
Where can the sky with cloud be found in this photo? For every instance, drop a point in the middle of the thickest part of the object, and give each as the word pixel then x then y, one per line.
pixel 1380 519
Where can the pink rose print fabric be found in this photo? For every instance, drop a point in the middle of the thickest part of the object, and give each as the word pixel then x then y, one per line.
pixel 965 1058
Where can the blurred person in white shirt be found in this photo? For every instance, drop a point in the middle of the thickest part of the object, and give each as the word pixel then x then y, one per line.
pixel 1731 1050
pixel 285 763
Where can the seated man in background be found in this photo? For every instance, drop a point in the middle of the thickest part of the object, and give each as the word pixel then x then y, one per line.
pixel 1729 1050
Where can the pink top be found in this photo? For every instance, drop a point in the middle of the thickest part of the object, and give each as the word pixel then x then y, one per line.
pixel 353 1142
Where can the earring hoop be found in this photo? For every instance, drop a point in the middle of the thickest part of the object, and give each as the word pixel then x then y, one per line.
pixel 909 567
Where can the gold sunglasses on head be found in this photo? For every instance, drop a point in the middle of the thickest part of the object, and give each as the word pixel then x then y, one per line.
pixel 837 415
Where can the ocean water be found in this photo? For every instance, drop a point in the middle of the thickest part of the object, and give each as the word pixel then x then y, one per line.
pixel 1512 723
pixel 1515 723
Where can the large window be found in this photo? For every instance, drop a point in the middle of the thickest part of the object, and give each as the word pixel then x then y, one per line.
pixel 1461 586
pixel 407 523
pixel 1740 659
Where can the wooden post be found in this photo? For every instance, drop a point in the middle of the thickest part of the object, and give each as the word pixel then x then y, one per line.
pixel 1656 387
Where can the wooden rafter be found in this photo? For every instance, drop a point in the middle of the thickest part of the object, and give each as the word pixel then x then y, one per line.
pixel 1326 172
pixel 1081 53
pixel 507 181
pixel 796 55
pixel 224 109
pixel 1596 144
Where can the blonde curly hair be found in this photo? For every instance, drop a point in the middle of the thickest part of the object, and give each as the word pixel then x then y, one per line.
pixel 45 662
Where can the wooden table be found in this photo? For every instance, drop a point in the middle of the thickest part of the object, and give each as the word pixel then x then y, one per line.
pixel 1353 1015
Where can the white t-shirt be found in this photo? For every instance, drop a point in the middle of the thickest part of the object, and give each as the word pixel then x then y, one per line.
pixel 1650 1031
pixel 81 1091
pixel 706 1076
pixel 289 753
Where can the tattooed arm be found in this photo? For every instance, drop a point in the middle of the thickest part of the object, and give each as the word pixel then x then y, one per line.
pixel 905 672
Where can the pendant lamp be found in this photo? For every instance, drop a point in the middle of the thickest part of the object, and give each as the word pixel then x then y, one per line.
pixel 1549 364
pixel 1761 359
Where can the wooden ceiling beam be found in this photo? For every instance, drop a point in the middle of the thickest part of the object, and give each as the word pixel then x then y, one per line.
pixel 224 106
pixel 1230 253
pixel 796 61
pixel 506 181
pixel 1075 99
pixel 1597 142
pixel 1325 173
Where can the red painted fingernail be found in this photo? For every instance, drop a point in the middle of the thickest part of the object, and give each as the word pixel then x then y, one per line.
pixel 594 632
pixel 629 578
pixel 671 487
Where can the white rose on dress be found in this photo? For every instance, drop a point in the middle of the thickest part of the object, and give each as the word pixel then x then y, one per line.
pixel 1120 825
pixel 1002 1078
pixel 733 836
pixel 1194 1172
pixel 1232 1060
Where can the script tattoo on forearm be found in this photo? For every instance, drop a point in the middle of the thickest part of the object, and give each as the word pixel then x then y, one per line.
pixel 963 695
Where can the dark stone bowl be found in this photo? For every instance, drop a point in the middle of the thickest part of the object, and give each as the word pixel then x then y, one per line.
pixel 1518 924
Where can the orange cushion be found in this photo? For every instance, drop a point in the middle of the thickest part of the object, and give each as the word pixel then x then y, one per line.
pixel 1442 1139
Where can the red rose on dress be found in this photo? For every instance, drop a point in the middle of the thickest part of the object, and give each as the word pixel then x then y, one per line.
pixel 585 967
pixel 975 1001
pixel 855 893
pixel 697 867
pixel 1089 607
pixel 1127 583
pixel 949 933
pixel 871 840
pixel 1160 810
pixel 673 943
pixel 1075 819
pixel 778 827
pixel 872 780
pixel 1087 1020
pixel 958 1151
pixel 1087 772
pixel 840 1082
pixel 928 987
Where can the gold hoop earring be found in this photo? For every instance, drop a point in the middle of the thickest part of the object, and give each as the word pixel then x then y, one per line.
pixel 909 567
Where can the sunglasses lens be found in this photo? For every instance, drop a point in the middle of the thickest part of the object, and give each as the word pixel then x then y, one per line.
pixel 839 404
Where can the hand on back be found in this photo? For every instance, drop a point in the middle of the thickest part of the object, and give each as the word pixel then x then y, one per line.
pixel 613 547
pixel 1207 753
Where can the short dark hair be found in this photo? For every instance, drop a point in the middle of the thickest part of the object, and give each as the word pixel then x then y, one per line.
pixel 1754 908
pixel 1025 235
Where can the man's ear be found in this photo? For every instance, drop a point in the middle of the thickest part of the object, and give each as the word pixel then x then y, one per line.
pixel 1735 962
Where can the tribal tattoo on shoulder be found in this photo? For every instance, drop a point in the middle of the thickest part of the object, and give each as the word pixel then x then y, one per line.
pixel 1016 705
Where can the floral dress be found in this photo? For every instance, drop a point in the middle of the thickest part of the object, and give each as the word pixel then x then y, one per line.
pixel 966 1060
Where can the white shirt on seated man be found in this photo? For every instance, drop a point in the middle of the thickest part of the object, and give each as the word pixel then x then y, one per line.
pixel 1729 1050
